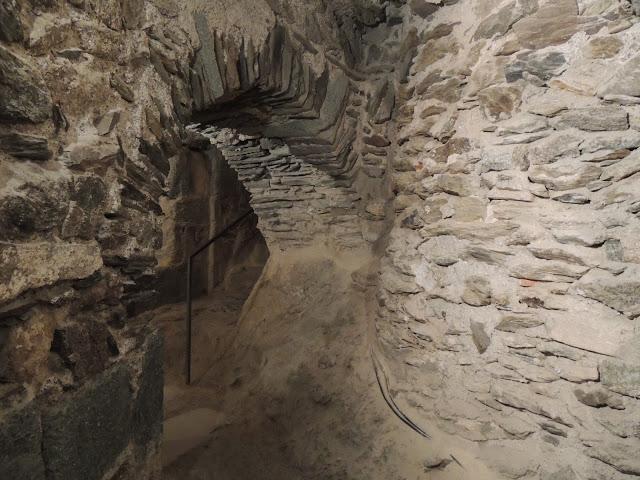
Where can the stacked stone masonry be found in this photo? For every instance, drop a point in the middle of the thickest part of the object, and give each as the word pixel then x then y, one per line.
pixel 96 166
pixel 510 289
pixel 488 148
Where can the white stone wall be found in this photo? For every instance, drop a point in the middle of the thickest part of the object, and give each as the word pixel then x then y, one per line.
pixel 510 289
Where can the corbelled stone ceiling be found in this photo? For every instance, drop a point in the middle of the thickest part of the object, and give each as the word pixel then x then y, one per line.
pixel 448 189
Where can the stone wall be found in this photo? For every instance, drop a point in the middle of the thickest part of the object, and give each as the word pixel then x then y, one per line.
pixel 103 190
pixel 206 198
pixel 486 149
pixel 509 290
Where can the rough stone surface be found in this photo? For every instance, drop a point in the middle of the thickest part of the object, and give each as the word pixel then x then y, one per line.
pixel 20 445
pixel 29 147
pixel 83 435
pixel 485 151
pixel 41 264
pixel 23 95
pixel 147 406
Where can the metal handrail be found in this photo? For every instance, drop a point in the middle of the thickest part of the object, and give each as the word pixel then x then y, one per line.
pixel 189 299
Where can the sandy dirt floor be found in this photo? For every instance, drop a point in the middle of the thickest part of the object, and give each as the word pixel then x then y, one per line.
pixel 284 385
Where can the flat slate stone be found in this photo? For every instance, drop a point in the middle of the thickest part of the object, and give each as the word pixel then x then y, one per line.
pixel 23 95
pixel 593 119
pixel 621 377
pixel 206 64
pixel 10 25
pixel 499 23
pixel 85 434
pixel 544 66
pixel 20 145
pixel 20 440
pixel 424 8
pixel 626 81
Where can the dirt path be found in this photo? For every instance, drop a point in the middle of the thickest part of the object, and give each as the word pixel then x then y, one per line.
pixel 292 393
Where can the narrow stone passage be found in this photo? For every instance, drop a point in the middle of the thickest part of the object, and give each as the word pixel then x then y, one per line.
pixel 434 272
pixel 294 394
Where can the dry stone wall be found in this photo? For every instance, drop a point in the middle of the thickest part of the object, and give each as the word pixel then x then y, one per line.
pixel 95 98
pixel 487 148
pixel 509 290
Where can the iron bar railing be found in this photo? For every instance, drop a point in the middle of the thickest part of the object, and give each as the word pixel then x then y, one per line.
pixel 189 285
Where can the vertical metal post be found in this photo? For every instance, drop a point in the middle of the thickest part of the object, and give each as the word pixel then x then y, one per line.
pixel 188 329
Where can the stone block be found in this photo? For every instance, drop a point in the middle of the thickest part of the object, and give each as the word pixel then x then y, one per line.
pixel 34 265
pixel 85 348
pixel 20 440
pixel 23 95
pixel 29 147
pixel 10 24
pixel 147 407
pixel 85 433
pixel 621 377
pixel 424 8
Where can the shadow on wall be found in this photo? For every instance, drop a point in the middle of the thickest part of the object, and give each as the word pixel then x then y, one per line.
pixel 209 199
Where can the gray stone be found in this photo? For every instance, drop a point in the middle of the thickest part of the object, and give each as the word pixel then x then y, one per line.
pixel 626 80
pixel 499 23
pixel 120 86
pixel 85 348
pixel 523 138
pixel 572 198
pixel 545 66
pixel 552 24
pixel 518 196
pixel 598 397
pixel 514 322
pixel 20 443
pixel 620 292
pixel 546 271
pixel 85 433
pixel 480 337
pixel 597 185
pixel 565 473
pixel 553 251
pixel 72 54
pixel 10 24
pixel 614 250
pixel 621 377
pixel 106 123
pixel 593 119
pixel 622 455
pixel 499 102
pixel 567 175
pixel 477 292
pixel 579 233
pixel 520 398
pixel 424 8
pixel 523 123
pixel 25 146
pixel 561 144
pixel 207 82
pixel 594 328
pixel 626 167
pixel 147 407
pixel 132 13
pixel 629 139
pixel 604 47
pixel 386 104
pixel 23 94
pixel 575 371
